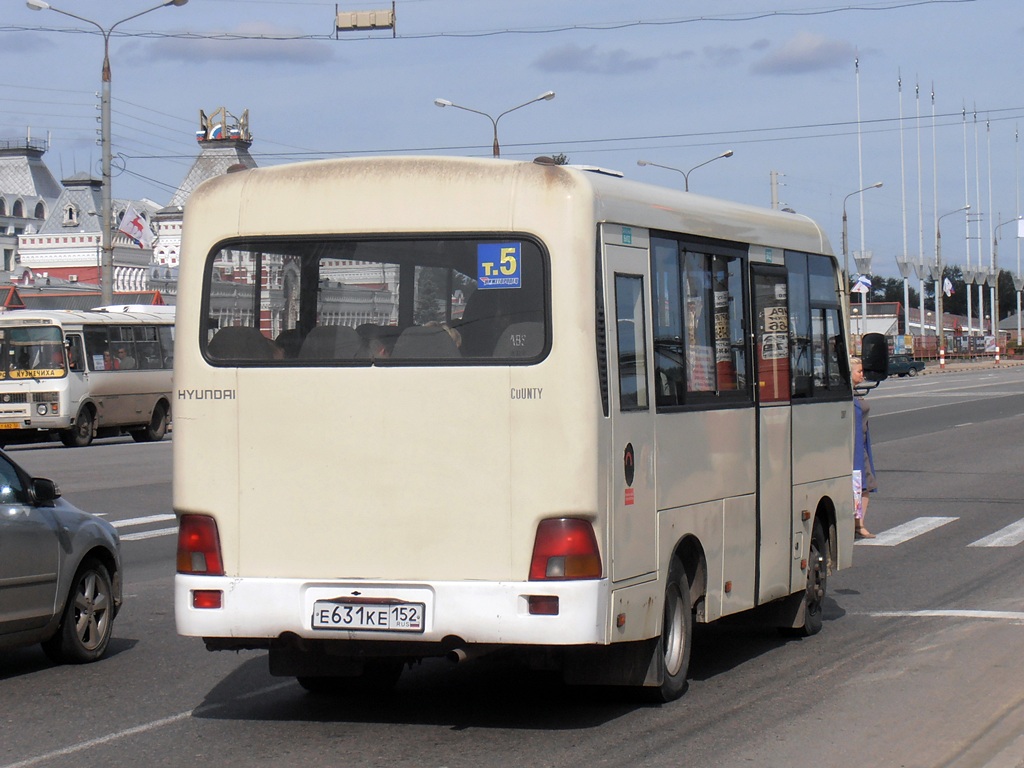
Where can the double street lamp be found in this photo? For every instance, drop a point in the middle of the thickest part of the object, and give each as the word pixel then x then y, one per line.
pixel 940 327
pixel 995 270
pixel 107 231
pixel 546 96
pixel 846 262
pixel 846 245
pixel 686 174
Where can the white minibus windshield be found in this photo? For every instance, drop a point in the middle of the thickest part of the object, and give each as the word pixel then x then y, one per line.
pixel 32 352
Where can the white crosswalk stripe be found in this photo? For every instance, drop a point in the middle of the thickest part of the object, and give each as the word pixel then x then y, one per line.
pixel 1010 536
pixel 149 534
pixel 906 531
pixel 128 522
pixel 147 520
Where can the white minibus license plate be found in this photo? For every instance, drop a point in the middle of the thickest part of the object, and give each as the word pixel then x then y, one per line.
pixel 373 616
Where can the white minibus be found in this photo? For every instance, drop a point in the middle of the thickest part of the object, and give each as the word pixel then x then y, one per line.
pixel 77 375
pixel 441 407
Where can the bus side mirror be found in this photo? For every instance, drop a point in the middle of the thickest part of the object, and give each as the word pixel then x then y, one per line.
pixel 875 356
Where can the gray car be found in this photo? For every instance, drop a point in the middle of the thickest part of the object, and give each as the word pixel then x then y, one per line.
pixel 60 570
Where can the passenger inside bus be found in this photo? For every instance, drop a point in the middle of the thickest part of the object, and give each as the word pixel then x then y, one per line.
pixel 376 341
pixel 290 342
pixel 124 360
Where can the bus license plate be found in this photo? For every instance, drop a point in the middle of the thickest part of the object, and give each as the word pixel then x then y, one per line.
pixel 371 616
pixel 10 425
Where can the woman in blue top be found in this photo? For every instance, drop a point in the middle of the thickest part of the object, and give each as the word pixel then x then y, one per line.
pixel 862 459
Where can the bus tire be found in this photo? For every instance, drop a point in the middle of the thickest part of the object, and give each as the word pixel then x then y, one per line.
pixel 156 429
pixel 672 655
pixel 80 434
pixel 813 598
pixel 378 676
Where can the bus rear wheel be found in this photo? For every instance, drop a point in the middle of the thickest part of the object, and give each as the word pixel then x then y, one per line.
pixel 674 645
pixel 155 430
pixel 79 435
pixel 812 600
pixel 817 581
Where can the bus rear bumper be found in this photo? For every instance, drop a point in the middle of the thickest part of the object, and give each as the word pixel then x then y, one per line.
pixel 255 611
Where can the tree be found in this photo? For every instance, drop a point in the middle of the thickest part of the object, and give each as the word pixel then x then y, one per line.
pixel 891 289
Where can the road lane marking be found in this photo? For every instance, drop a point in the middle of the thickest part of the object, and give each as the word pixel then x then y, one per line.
pixel 909 530
pixel 142 520
pixel 150 726
pixel 149 534
pixel 84 745
pixel 1014 616
pixel 1010 536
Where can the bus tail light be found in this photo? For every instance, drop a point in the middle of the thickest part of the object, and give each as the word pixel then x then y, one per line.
pixel 199 546
pixel 206 599
pixel 565 548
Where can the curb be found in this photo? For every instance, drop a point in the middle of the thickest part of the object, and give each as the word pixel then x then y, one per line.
pixel 965 367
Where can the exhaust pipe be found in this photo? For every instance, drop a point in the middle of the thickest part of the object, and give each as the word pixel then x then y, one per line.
pixel 457 655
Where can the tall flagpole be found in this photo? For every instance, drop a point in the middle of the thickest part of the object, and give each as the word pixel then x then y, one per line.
pixel 969 273
pixel 922 269
pixel 1019 281
pixel 864 256
pixel 993 287
pixel 940 325
pixel 977 222
pixel 904 270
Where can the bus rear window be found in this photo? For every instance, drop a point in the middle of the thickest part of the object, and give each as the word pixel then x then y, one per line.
pixel 375 301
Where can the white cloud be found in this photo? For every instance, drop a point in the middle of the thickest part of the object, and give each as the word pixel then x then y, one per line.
pixel 805 52
pixel 575 58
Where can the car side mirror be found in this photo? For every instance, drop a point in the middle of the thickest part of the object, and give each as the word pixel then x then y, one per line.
pixel 874 356
pixel 45 491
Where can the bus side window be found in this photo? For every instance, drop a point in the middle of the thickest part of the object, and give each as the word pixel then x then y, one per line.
pixel 166 334
pixel 147 347
pixel 76 353
pixel 96 347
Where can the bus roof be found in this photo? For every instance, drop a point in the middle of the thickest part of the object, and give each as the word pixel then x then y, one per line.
pixel 276 199
pixel 85 317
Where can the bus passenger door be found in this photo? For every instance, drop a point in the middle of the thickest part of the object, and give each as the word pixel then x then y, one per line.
pixel 633 503
pixel 78 371
pixel 774 431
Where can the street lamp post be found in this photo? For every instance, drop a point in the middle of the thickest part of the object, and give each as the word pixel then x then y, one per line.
pixel 995 269
pixel 846 243
pixel 546 96
pixel 686 174
pixel 940 326
pixel 846 257
pixel 107 228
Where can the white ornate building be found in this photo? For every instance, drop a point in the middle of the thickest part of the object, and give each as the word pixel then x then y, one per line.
pixel 28 192
pixel 68 243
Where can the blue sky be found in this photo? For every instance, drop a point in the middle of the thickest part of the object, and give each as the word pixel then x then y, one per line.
pixel 674 83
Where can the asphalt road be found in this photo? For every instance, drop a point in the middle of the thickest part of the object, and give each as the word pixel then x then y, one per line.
pixel 918 663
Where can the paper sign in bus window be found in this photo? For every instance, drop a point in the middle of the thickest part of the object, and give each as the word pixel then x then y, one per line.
pixel 499 265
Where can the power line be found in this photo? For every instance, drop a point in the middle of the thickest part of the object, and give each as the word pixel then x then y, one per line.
pixel 886 5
